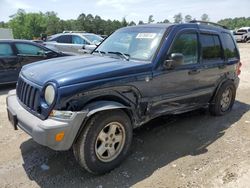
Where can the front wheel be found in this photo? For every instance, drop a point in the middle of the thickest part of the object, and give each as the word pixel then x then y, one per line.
pixel 105 141
pixel 224 99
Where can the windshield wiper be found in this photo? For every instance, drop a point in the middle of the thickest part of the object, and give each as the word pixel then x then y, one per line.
pixel 100 52
pixel 125 56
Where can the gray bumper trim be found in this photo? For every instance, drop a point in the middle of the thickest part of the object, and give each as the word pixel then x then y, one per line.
pixel 44 131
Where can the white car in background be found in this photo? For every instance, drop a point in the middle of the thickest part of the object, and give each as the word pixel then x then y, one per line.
pixel 242 34
pixel 73 42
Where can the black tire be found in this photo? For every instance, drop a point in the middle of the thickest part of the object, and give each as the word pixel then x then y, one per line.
pixel 245 40
pixel 85 148
pixel 215 107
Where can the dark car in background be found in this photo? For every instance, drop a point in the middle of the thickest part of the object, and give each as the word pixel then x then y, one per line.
pixel 16 53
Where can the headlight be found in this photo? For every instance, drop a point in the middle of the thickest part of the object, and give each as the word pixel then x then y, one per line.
pixel 62 114
pixel 49 94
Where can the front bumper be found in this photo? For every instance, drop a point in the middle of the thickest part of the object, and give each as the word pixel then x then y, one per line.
pixel 44 131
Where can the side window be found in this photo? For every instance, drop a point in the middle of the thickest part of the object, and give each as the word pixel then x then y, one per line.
pixel 29 49
pixel 6 50
pixel 211 47
pixel 64 39
pixel 230 50
pixel 78 40
pixel 187 45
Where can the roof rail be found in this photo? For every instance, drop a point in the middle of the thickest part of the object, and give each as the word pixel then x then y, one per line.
pixel 74 31
pixel 208 23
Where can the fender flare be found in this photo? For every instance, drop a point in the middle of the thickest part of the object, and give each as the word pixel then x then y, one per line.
pixel 218 88
pixel 99 106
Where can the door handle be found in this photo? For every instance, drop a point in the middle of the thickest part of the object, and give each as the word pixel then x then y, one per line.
pixel 193 72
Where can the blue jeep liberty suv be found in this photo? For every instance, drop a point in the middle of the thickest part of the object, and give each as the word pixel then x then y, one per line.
pixel 92 103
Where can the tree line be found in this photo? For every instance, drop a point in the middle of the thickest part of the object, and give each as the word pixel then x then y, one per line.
pixel 32 25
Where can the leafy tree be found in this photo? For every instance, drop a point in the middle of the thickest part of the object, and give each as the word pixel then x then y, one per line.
pixel 150 19
pixel 3 25
pixel 204 17
pixel 140 22
pixel 124 22
pixel 52 23
pixel 235 23
pixel 166 21
pixel 178 18
pixel 188 18
pixel 132 23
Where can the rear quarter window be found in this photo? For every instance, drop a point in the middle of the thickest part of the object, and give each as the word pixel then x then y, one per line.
pixel 230 50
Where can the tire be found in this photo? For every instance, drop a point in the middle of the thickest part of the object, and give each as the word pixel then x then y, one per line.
pixel 223 103
pixel 245 39
pixel 104 142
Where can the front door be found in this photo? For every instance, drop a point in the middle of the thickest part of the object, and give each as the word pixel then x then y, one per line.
pixel 178 89
pixel 29 53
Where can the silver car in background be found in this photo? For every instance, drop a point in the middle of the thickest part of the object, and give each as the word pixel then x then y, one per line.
pixel 77 42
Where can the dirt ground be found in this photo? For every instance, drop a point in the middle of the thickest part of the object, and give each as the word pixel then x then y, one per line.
pixel 189 150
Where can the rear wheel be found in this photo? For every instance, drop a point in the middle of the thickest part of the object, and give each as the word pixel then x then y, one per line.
pixel 105 141
pixel 223 100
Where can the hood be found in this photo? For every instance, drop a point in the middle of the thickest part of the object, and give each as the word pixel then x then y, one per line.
pixel 77 69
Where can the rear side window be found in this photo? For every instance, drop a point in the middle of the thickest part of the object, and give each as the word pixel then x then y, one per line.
pixel 28 49
pixel 6 50
pixel 211 47
pixel 230 48
pixel 64 39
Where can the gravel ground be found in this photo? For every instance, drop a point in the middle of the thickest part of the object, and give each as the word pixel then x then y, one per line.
pixel 189 150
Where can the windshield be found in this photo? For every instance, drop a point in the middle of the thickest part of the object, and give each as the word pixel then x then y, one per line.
pixel 138 43
pixel 93 38
pixel 242 31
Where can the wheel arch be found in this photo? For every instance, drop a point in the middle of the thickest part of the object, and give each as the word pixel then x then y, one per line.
pixel 98 106
pixel 218 88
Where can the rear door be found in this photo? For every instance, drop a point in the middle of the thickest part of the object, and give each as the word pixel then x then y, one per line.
pixel 213 62
pixel 9 63
pixel 64 43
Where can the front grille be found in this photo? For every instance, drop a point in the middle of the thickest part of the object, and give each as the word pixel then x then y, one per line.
pixel 28 95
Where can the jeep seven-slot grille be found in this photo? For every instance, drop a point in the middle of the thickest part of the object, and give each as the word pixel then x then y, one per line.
pixel 28 95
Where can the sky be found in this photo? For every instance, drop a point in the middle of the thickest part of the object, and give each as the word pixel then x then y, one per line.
pixel 132 10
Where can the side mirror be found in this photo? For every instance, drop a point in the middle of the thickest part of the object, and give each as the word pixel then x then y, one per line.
pixel 174 60
pixel 48 54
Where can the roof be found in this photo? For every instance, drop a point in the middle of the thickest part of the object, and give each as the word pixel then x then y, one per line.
pixel 244 28
pixel 195 25
pixel 16 40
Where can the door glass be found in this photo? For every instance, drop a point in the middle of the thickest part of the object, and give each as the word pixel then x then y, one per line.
pixel 65 39
pixel 187 45
pixel 6 50
pixel 28 49
pixel 230 48
pixel 78 40
pixel 211 47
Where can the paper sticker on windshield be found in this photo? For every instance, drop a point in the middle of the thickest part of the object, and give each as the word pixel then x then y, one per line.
pixel 146 35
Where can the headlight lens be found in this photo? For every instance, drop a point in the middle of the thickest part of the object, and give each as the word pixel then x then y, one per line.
pixel 62 114
pixel 49 94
